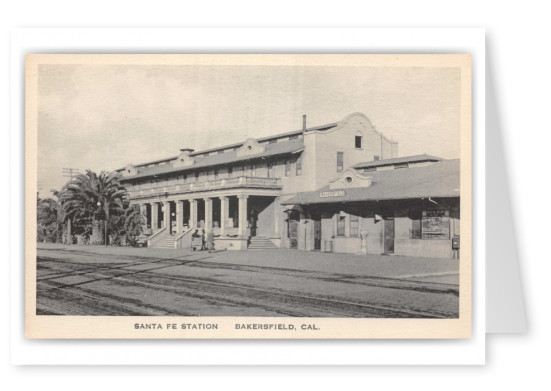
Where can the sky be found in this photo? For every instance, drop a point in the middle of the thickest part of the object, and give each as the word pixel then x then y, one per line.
pixel 102 117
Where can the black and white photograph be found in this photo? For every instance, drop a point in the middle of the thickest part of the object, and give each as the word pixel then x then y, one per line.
pixel 248 196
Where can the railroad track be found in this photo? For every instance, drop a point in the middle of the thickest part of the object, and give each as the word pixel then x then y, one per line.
pixel 384 282
pixel 211 291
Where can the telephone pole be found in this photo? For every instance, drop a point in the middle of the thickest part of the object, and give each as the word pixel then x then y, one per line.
pixel 70 172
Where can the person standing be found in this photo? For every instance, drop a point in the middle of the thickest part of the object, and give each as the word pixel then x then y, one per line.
pixel 202 239
pixel 210 240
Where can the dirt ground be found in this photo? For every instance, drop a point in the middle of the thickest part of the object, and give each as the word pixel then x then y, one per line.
pixel 96 280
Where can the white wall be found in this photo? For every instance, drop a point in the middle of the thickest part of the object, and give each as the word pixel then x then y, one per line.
pixel 342 138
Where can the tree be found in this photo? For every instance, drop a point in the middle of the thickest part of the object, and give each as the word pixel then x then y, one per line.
pixel 95 199
pixel 48 228
pixel 128 224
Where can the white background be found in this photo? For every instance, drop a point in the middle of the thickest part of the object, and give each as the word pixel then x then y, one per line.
pixel 467 351
pixel 517 39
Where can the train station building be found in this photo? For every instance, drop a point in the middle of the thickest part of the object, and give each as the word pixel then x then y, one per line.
pixel 338 187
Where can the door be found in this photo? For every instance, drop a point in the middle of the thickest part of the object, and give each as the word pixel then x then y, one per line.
pixel 253 222
pixel 389 236
pixel 317 234
pixel 292 229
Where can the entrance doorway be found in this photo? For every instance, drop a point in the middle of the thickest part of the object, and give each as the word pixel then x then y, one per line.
pixel 292 228
pixel 317 232
pixel 389 236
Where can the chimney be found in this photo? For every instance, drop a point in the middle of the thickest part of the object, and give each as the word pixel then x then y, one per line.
pixel 303 123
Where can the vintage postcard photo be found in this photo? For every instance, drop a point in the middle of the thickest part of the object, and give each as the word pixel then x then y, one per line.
pixel 248 196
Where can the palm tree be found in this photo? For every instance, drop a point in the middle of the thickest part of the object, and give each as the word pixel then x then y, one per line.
pixel 93 197
pixel 133 222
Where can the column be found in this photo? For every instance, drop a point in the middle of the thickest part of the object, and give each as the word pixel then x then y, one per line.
pixel 154 215
pixel 143 212
pixel 179 216
pixel 208 213
pixel 242 214
pixel 193 213
pixel 224 214
pixel 166 215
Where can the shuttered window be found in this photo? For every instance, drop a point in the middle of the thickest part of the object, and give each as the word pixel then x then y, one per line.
pixel 299 165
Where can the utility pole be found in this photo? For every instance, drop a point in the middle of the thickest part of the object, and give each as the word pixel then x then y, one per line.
pixel 70 172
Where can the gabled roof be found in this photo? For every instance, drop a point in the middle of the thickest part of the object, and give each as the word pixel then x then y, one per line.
pixel 268 138
pixel 239 144
pixel 281 148
pixel 398 160
pixel 440 179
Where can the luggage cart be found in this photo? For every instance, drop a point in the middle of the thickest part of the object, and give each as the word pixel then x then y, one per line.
pixel 196 243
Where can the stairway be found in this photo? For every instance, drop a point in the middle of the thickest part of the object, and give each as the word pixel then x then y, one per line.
pixel 164 241
pixel 260 243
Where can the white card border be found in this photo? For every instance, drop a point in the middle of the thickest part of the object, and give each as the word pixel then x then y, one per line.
pixel 253 352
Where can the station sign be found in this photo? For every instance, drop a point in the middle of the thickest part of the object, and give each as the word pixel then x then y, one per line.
pixel 328 194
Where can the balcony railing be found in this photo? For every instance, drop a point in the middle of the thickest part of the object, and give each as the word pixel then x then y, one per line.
pixel 147 189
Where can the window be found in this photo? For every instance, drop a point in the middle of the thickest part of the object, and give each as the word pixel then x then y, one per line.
pixel 216 174
pixel 272 141
pixel 341 221
pixel 340 161
pixel 196 176
pixel 401 165
pixel 287 167
pixel 185 178
pixel 270 170
pixel 253 169
pixel 376 157
pixel 293 137
pixel 354 225
pixel 230 171
pixel 358 142
pixel 299 165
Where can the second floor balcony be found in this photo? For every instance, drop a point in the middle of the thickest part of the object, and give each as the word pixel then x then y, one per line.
pixel 149 189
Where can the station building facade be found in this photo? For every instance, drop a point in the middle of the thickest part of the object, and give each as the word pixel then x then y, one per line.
pixel 284 191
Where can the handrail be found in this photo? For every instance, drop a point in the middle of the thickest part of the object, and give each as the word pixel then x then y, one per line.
pixel 150 239
pixel 207 185
pixel 179 238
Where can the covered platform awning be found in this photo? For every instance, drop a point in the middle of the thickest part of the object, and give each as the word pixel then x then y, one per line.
pixel 438 180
